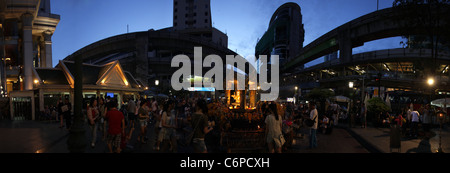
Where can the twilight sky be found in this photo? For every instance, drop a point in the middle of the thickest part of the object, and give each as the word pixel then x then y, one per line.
pixel 244 21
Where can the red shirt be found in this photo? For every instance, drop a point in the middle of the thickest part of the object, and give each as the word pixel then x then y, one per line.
pixel 115 118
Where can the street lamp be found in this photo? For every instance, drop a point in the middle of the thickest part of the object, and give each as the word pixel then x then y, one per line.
pixel 156 82
pixel 351 84
pixel 441 116
pixel 430 81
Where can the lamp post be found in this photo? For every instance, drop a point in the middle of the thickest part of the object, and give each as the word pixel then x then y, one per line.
pixel 76 142
pixel 440 115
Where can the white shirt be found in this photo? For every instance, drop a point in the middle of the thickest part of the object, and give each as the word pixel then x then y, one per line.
pixel 414 116
pixel 313 114
pixel 273 127
pixel 408 114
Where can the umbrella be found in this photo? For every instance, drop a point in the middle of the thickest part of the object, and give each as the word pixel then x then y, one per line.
pixel 441 102
pixel 341 99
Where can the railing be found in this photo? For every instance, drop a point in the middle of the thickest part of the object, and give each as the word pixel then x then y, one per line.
pixel 387 55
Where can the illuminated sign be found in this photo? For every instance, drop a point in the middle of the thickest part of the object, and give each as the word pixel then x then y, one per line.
pixel 207 89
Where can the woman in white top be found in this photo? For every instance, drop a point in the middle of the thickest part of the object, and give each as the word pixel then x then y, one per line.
pixel 168 125
pixel 273 129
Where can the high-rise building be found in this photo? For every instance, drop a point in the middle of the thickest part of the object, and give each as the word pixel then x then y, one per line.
pixel 191 14
pixel 194 17
pixel 285 35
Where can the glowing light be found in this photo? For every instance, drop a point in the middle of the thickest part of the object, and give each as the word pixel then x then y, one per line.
pixel 430 81
pixel 36 81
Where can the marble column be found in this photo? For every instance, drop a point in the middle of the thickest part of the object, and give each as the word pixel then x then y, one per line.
pixel 48 49
pixel 27 20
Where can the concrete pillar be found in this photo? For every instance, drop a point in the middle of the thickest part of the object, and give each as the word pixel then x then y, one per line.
pixel 27 20
pixel 41 100
pixel 3 54
pixel 345 45
pixel 48 62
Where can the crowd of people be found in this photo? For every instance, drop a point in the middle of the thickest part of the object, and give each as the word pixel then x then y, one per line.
pixel 174 120
pixel 169 117
pixel 411 121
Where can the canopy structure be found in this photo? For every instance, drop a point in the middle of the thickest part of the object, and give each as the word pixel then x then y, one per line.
pixel 340 99
pixel 441 102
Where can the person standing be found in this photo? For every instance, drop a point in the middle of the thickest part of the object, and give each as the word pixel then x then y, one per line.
pixel 169 123
pixel 313 115
pixel 60 113
pixel 154 106
pixel 426 118
pixel 408 117
pixel 103 123
pixel 162 130
pixel 273 129
pixel 131 109
pixel 200 124
pixel 363 116
pixel 143 116
pixel 414 123
pixel 116 127
pixel 93 115
pixel 67 113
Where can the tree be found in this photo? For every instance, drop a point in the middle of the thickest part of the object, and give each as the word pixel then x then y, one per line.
pixel 375 108
pixel 431 16
pixel 320 95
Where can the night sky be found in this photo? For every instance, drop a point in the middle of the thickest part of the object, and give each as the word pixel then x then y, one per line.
pixel 244 21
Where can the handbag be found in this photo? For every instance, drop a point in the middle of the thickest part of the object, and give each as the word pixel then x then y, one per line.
pixel 64 108
pixel 310 122
pixel 279 142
